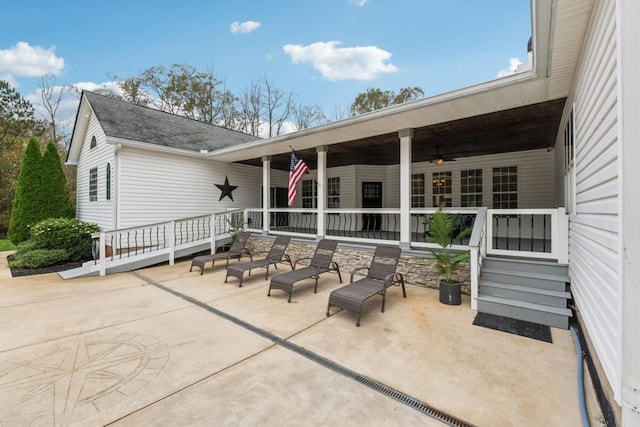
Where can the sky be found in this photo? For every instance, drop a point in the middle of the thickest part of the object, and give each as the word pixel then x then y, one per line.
pixel 325 51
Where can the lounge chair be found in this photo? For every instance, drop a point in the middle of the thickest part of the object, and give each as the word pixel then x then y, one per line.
pixel 237 249
pixel 275 255
pixel 380 275
pixel 321 262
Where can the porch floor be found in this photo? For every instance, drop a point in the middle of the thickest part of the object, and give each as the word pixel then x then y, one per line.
pixel 157 346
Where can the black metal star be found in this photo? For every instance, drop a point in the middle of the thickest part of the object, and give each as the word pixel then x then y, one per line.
pixel 226 189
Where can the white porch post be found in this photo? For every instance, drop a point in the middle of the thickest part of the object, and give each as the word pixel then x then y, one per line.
pixel 172 242
pixel 266 193
pixel 322 190
pixel 628 34
pixel 405 187
pixel 103 254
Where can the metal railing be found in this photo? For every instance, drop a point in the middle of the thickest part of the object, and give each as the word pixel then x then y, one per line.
pixel 421 218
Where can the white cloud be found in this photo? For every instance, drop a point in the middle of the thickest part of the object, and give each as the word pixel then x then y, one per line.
pixel 24 60
pixel 513 67
pixel 342 63
pixel 245 27
pixel 359 2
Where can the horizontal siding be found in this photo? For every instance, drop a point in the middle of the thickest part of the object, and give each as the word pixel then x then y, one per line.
pixel 101 211
pixel 158 187
pixel 595 229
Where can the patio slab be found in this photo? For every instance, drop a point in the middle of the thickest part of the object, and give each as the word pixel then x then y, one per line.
pixel 121 349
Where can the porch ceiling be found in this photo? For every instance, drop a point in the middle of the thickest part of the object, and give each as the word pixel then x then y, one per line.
pixel 524 128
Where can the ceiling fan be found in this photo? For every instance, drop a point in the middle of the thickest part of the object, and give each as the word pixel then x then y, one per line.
pixel 439 159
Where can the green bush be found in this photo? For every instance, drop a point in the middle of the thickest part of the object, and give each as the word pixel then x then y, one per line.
pixel 58 204
pixel 26 246
pixel 40 258
pixel 70 234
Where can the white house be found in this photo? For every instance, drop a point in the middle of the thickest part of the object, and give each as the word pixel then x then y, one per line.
pixel 561 135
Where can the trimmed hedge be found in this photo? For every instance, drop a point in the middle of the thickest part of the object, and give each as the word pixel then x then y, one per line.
pixel 40 258
pixel 70 234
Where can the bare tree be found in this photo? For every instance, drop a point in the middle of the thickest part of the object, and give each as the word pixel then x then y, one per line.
pixel 251 109
pixel 278 106
pixel 51 96
pixel 306 116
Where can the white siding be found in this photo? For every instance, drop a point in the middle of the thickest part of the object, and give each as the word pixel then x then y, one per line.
pixel 535 178
pixel 158 187
pixel 102 210
pixel 594 231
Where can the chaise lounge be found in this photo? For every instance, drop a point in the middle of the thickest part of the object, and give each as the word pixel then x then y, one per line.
pixel 321 262
pixel 275 255
pixel 381 274
pixel 237 249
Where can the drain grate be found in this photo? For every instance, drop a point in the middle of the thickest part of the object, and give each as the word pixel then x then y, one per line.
pixel 366 381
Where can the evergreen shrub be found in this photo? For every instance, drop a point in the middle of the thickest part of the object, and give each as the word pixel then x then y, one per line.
pixel 70 234
pixel 40 258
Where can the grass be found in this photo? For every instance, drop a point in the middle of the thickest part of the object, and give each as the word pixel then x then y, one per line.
pixel 6 245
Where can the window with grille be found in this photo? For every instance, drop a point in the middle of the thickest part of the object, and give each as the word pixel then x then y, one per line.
pixel 441 184
pixel 333 193
pixel 93 185
pixel 471 188
pixel 505 187
pixel 417 191
pixel 309 200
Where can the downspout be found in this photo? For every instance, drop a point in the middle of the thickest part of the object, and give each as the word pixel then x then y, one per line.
pixel 580 378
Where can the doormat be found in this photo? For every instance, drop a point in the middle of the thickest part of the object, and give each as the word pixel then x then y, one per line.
pixel 514 326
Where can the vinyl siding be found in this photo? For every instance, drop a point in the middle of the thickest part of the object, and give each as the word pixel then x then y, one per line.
pixel 100 211
pixel 595 228
pixel 535 178
pixel 157 187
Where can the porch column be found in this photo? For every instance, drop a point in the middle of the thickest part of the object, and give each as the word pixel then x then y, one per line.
pixel 322 189
pixel 266 193
pixel 405 187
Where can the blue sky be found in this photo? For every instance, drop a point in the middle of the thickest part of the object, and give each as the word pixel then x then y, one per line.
pixel 325 51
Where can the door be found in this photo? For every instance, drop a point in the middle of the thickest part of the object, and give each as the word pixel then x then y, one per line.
pixel 371 198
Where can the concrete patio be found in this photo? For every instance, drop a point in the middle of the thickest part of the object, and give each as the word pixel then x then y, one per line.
pixel 143 349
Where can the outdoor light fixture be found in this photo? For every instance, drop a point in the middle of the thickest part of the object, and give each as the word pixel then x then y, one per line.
pixel 439 159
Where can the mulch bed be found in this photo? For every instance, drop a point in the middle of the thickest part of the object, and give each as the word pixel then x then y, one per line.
pixel 18 272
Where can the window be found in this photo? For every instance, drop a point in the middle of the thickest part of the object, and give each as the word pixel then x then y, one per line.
pixel 441 183
pixel 108 182
pixel 505 187
pixel 471 188
pixel 93 185
pixel 417 191
pixel 333 193
pixel 93 142
pixel 309 194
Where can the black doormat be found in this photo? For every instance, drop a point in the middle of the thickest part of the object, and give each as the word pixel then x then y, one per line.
pixel 513 326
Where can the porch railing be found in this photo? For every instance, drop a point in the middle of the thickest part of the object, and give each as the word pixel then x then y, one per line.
pixel 164 237
pixel 478 252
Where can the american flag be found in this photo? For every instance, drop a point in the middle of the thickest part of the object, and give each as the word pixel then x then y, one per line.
pixel 297 168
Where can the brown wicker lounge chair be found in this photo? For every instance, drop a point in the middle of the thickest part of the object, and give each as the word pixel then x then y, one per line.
pixel 237 249
pixel 380 275
pixel 275 255
pixel 321 262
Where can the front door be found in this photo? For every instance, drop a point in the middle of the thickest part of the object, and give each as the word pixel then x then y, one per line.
pixel 371 198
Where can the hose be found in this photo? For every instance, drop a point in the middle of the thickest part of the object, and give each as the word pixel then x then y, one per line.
pixel 581 400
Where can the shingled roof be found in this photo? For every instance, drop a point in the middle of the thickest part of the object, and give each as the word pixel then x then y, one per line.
pixel 120 119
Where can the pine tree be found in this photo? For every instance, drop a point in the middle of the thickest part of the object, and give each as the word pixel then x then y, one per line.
pixel 56 198
pixel 28 201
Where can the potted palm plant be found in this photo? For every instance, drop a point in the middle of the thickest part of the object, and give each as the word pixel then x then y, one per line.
pixel 442 227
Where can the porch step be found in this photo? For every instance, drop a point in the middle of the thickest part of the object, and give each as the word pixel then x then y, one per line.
pixel 530 294
pixel 537 313
pixel 526 265
pixel 523 274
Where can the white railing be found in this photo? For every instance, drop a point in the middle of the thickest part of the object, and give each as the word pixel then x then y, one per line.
pixel 164 237
pixel 478 252
pixel 534 233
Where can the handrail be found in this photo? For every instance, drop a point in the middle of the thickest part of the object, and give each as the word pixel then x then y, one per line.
pixel 477 254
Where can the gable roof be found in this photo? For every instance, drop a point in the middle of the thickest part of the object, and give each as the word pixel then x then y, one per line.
pixel 130 122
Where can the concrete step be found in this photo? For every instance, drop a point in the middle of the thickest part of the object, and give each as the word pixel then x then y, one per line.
pixel 523 278
pixel 530 312
pixel 524 293
pixel 527 265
